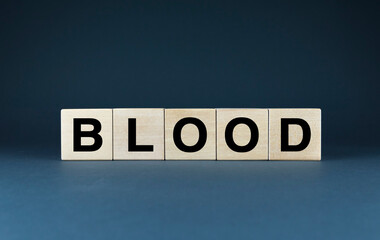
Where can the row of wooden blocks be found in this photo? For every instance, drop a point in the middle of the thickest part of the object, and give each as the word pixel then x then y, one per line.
pixel 190 134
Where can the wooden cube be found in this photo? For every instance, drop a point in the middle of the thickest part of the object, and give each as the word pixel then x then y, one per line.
pixel 86 134
pixel 190 134
pixel 242 134
pixel 138 134
pixel 294 134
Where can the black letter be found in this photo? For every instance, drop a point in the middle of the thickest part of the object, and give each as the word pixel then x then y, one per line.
pixel 132 146
pixel 78 134
pixel 254 134
pixel 285 122
pixel 202 134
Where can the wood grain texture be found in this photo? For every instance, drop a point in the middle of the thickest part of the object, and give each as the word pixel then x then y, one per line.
pixel 149 131
pixel 190 134
pixel 104 116
pixel 242 134
pixel 312 117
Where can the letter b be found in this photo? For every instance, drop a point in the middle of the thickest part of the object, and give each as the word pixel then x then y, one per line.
pixel 79 134
pixel 86 134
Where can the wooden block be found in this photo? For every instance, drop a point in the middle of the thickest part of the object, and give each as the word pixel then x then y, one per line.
pixel 92 139
pixel 294 134
pixel 138 134
pixel 190 134
pixel 242 134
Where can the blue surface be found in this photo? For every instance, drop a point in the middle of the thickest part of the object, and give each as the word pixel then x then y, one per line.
pixel 185 54
pixel 42 197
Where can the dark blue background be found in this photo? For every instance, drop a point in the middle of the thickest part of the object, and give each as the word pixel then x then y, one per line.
pixel 94 54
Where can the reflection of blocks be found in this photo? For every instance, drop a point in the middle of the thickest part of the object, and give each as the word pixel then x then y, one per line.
pixel 294 134
pixel 95 139
pixel 190 134
pixel 145 127
pixel 247 137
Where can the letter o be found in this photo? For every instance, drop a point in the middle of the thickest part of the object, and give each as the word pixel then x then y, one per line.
pixel 202 134
pixel 229 134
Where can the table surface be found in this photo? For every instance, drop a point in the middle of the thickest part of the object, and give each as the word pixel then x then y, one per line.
pixel 42 197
